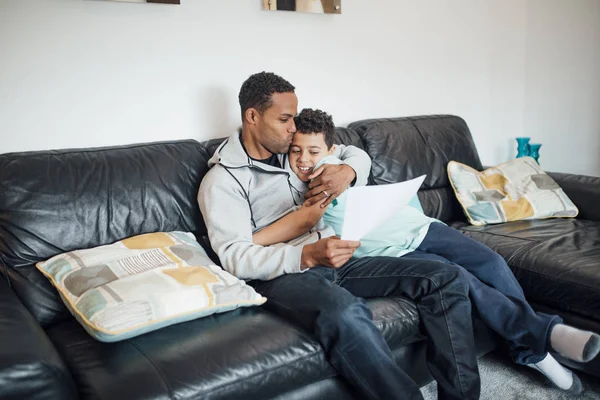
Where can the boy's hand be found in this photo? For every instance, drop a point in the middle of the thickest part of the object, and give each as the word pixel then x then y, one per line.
pixel 330 252
pixel 313 212
pixel 328 182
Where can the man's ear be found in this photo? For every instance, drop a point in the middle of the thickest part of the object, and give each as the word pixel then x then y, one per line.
pixel 251 115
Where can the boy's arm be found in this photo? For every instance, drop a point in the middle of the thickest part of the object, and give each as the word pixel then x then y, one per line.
pixel 290 226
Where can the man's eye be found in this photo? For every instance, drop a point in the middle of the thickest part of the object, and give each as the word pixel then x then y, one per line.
pixel 284 120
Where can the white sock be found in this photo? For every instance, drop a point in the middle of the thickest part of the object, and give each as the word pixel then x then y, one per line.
pixel 573 343
pixel 559 375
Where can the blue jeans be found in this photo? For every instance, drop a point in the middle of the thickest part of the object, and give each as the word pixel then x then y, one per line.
pixel 330 303
pixel 495 294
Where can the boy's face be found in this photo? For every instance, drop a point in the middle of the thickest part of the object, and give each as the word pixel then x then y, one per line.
pixel 306 151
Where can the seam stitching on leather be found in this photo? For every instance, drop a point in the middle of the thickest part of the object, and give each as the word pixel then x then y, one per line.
pixel 264 372
pixel 498 234
pixel 62 374
pixel 21 155
pixel 4 268
pixel 158 371
pixel 553 277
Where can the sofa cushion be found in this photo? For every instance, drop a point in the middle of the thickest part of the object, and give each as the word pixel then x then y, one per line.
pixel 405 148
pixel 30 366
pixel 144 283
pixel 247 353
pixel 515 190
pixel 557 261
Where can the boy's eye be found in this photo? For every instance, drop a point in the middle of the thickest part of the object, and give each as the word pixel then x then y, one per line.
pixel 314 153
pixel 295 151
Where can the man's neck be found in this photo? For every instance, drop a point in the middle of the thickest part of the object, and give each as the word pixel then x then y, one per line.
pixel 253 147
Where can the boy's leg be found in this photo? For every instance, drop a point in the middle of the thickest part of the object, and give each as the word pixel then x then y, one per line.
pixel 343 325
pixel 495 293
pixel 559 375
pixel 441 295
pixel 504 308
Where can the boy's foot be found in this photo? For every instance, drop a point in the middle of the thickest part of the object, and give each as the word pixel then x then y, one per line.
pixel 573 343
pixel 561 377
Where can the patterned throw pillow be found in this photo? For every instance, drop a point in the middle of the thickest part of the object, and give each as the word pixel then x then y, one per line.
pixel 518 189
pixel 144 283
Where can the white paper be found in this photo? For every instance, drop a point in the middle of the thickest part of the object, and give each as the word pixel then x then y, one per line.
pixel 368 206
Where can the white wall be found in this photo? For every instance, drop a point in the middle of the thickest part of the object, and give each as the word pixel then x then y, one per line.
pixel 78 73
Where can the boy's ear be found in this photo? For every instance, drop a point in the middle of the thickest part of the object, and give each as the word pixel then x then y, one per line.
pixel 332 149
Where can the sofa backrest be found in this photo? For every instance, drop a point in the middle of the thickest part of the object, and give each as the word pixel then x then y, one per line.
pixel 404 148
pixel 57 201
pixel 61 200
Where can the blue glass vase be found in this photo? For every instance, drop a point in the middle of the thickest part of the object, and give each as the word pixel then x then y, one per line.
pixel 522 146
pixel 534 151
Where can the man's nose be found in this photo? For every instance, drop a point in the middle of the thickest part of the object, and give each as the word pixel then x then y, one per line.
pixel 293 127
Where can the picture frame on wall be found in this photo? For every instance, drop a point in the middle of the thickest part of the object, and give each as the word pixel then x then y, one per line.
pixel 310 6
pixel 150 1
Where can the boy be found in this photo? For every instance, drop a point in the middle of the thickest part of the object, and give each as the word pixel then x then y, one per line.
pixel 494 291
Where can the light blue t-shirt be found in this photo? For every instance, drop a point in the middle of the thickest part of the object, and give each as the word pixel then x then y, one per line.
pixel 399 235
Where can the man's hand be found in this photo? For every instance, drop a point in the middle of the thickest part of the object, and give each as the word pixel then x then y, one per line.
pixel 330 252
pixel 328 182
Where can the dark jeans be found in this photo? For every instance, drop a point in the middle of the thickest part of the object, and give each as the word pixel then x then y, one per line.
pixel 329 302
pixel 495 293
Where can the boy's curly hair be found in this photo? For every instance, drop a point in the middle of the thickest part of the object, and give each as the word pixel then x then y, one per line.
pixel 315 121
pixel 256 91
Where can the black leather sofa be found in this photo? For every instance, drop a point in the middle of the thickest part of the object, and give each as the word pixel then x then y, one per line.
pixel 56 201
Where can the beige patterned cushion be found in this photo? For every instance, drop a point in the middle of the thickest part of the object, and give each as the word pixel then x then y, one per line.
pixel 144 283
pixel 518 189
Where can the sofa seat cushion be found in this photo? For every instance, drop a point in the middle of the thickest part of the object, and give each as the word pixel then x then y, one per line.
pixel 247 353
pixel 557 262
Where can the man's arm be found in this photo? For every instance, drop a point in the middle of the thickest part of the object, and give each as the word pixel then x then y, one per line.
pixel 357 159
pixel 329 181
pixel 290 226
pixel 228 219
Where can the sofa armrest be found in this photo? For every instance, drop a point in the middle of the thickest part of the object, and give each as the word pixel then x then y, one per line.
pixel 583 190
pixel 30 366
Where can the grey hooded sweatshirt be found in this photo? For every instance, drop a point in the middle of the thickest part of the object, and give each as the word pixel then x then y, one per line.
pixel 240 196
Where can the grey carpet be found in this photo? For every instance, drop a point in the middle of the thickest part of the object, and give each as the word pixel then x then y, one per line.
pixel 503 380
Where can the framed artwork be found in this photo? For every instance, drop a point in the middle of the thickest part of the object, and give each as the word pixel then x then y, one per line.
pixel 311 6
pixel 151 1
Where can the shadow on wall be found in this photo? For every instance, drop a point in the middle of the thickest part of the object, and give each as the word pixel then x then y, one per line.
pixel 216 119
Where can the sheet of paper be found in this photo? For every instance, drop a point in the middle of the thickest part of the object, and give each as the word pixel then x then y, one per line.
pixel 368 206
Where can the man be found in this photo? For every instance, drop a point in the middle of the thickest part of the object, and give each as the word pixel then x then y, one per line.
pixel 312 280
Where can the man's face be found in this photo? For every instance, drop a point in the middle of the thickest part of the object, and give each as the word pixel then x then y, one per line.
pixel 306 151
pixel 276 124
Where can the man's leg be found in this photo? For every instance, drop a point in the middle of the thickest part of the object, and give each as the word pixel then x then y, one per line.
pixel 343 325
pixel 441 295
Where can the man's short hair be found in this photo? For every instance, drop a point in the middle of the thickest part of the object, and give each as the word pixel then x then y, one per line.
pixel 315 121
pixel 257 90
